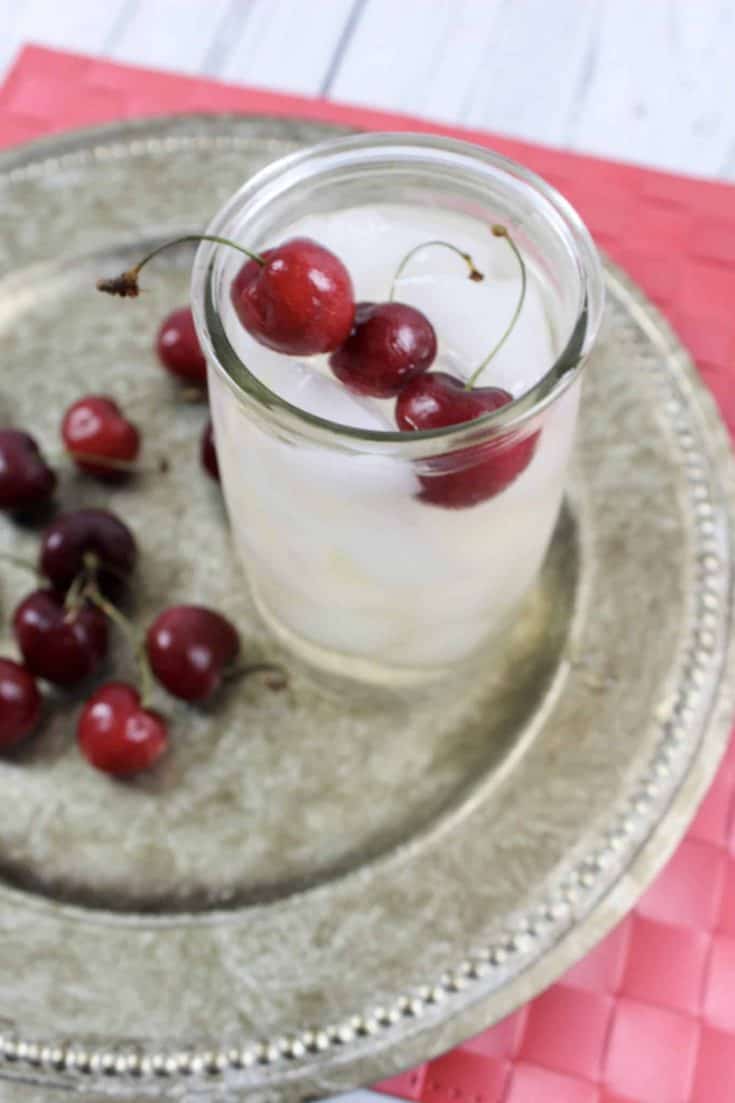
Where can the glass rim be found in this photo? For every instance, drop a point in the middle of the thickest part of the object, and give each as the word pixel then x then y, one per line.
pixel 339 151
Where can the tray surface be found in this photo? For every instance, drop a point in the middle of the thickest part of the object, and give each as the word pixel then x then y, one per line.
pixel 309 893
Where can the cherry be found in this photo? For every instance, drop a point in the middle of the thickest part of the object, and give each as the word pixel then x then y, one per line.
pixel 208 452
pixel 188 648
pixel 20 703
pixel 72 536
pixel 25 477
pixel 473 474
pixel 117 735
pixel 390 344
pixel 59 644
pixel 178 347
pixel 94 426
pixel 296 298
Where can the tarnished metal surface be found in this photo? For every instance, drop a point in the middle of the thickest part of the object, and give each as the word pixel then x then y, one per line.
pixel 310 892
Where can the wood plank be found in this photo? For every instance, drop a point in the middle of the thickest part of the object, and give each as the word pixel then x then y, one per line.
pixel 285 45
pixel 511 68
pixel 415 57
pixel 662 89
pixel 652 82
pixel 168 34
pixel 73 25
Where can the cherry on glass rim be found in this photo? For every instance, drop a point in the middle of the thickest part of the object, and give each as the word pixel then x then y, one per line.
pixel 390 344
pixel 20 703
pixel 189 647
pixel 470 475
pixel 297 298
pixel 117 734
pixel 94 429
pixel 62 645
pixel 26 480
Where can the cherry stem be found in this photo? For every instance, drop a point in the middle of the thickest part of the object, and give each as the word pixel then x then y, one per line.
pixel 75 594
pixel 276 677
pixel 502 231
pixel 91 592
pixel 126 284
pixel 474 273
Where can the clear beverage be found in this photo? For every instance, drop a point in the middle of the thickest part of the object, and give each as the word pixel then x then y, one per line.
pixel 392 557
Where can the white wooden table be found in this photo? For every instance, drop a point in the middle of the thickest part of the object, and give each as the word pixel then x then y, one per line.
pixel 649 81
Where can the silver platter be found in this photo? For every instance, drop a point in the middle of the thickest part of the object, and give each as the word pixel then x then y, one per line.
pixel 311 894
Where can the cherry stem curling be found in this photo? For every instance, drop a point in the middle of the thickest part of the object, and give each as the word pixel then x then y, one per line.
pixel 90 591
pixel 502 231
pixel 126 284
pixel 473 272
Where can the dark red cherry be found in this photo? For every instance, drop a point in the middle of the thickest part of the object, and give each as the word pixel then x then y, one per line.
pixel 178 347
pixel 470 475
pixel 117 735
pixel 20 703
pixel 208 452
pixel 300 301
pixel 63 646
pixel 67 540
pixel 390 344
pixel 25 478
pixel 439 400
pixel 95 426
pixel 188 648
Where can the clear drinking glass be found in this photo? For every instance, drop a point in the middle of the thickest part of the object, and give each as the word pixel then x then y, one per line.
pixel 384 556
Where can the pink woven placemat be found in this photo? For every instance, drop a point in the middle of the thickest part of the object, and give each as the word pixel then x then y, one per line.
pixel 649 1015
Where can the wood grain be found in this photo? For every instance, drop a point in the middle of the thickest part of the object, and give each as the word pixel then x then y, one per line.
pixel 650 82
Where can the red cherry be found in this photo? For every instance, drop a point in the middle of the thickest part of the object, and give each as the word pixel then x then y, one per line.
pixel 67 540
pixel 208 452
pixel 20 703
pixel 59 645
pixel 470 475
pixel 188 648
pixel 391 343
pixel 117 735
pixel 25 477
pixel 300 301
pixel 178 347
pixel 95 426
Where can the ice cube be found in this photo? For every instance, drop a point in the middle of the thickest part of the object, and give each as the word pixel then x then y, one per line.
pixel 306 384
pixel 372 242
pixel 470 318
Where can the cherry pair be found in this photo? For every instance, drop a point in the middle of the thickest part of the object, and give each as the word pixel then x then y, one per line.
pixel 61 635
pixel 189 648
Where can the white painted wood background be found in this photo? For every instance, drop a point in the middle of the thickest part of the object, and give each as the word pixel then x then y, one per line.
pixel 649 81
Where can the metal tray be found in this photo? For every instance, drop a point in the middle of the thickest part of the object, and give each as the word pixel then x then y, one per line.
pixel 310 893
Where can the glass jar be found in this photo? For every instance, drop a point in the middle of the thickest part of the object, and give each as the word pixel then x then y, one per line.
pixel 384 556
